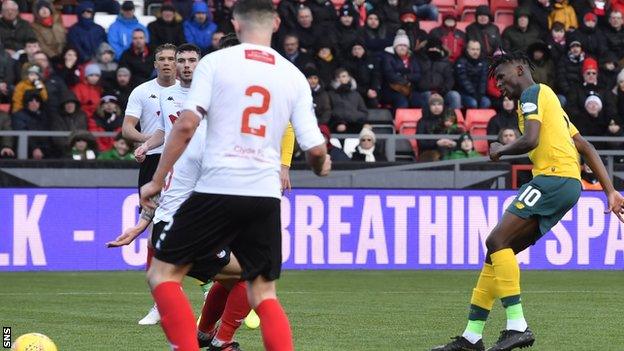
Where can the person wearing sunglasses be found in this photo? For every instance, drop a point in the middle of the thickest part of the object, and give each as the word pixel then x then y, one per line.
pixel 366 150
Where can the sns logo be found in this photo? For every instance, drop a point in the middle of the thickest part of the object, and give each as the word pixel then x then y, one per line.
pixel 529 107
pixel 173 118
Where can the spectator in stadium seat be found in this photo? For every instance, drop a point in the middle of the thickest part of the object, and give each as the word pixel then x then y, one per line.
pixel 557 42
pixel 367 151
pixel 505 118
pixel 30 48
pixel 122 87
pixel 32 117
pixel 521 34
pixel 376 35
pixel 83 146
pixel 484 31
pixel 464 149
pixel 540 11
pixel 223 15
pixel 389 13
pixel 417 37
pixel 363 68
pixel 592 120
pixel 288 12
pixel 6 142
pixel 615 34
pixel 107 118
pixel 401 73
pixel 293 53
pixel 569 69
pixel 198 29
pixel 322 105
pixel 564 13
pixel 105 59
pixel 508 135
pixel 617 96
pixel 31 82
pixel 167 28
pixel 589 86
pixel 453 39
pixel 306 31
pixel 121 32
pixel 7 76
pixel 121 150
pixel 326 60
pixel 86 35
pixel 471 72
pixel 71 118
pixel 591 37
pixel 216 41
pixel 138 58
pixel 344 31
pixel 544 71
pixel 323 12
pixel 48 28
pixel 436 74
pixel 436 119
pixel 109 6
pixel 89 91
pixel 349 112
pixel 54 84
pixel 336 154
pixel 597 7
pixel 609 70
pixel 14 31
pixel 67 68
pixel 424 9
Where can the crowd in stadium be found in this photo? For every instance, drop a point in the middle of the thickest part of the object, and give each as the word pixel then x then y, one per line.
pixel 357 56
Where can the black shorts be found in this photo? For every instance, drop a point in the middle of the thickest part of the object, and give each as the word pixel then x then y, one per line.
pixel 147 170
pixel 207 223
pixel 203 271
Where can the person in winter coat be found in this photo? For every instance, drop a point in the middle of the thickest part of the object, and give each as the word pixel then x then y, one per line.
pixel 320 98
pixel 86 35
pixel 107 118
pixel 471 72
pixel 32 81
pixel 592 120
pixel 293 53
pixel 569 69
pixel 424 9
pixel 67 67
pixel 306 31
pixel 506 118
pixel 326 61
pixel 436 120
pixel 344 31
pixel 453 39
pixel 564 13
pixel 89 91
pixel 615 34
pixel 287 11
pixel 223 15
pixel 167 28
pixel 376 35
pixel 48 28
pixel 587 87
pixel 349 112
pixel 540 12
pixel 122 87
pixel 71 118
pixel 82 145
pixel 364 69
pixel 121 150
pixel 544 68
pixel 437 74
pixel 519 36
pixel 14 31
pixel 389 13
pixel 409 24
pixel 55 86
pixel 617 96
pixel 465 149
pixel 105 60
pixel 138 58
pixel 609 70
pixel 199 28
pixel 557 42
pixel 121 31
pixel 484 31
pixel 32 117
pixel 592 38
pixel 367 151
pixel 401 73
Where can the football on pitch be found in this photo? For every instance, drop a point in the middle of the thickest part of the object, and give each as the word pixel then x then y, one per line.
pixel 33 342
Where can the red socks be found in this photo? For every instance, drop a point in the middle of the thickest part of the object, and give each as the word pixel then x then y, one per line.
pixel 150 254
pixel 236 309
pixel 276 332
pixel 176 316
pixel 213 307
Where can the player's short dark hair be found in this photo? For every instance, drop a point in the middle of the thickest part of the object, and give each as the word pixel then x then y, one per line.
pixel 188 47
pixel 228 40
pixel 253 7
pixel 163 47
pixel 500 57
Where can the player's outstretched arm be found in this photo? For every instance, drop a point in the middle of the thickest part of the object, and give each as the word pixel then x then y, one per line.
pixel 157 139
pixel 319 160
pixel 180 136
pixel 527 142
pixel 591 157
pixel 129 131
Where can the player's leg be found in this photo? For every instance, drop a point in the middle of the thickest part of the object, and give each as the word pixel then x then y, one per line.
pixel 178 322
pixel 236 309
pixel 276 333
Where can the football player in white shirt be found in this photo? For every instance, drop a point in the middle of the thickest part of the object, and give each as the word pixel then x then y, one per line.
pixel 144 107
pixel 247 94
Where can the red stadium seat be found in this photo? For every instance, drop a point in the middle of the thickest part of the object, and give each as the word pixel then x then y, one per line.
pixel 503 21
pixel 465 7
pixel 503 7
pixel 462 25
pixel 27 17
pixel 427 26
pixel 445 6
pixel 338 3
pixel 6 108
pixel 405 121
pixel 460 118
pixel 478 117
pixel 480 145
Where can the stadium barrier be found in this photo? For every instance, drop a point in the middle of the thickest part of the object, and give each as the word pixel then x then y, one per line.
pixel 66 230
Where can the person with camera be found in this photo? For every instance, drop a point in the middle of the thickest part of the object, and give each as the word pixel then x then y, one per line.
pixel 31 81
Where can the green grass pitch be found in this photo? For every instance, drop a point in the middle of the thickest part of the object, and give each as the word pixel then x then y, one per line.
pixel 328 310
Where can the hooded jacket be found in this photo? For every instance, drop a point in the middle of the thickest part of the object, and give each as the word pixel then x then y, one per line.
pixel 453 39
pixel 364 70
pixel 376 40
pixel 394 71
pixel 108 69
pixel 515 39
pixel 593 40
pixel 89 97
pixel 200 34
pixel 120 34
pixel 615 40
pixel 86 35
pixel 24 119
pixel 68 122
pixel 544 71
pixel 564 13
pixel 51 37
pixel 103 121
pixel 347 104
pixel 488 36
pixel 437 70
pixel 24 87
pixel 162 32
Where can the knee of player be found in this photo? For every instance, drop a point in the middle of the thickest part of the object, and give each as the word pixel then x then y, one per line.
pixel 152 277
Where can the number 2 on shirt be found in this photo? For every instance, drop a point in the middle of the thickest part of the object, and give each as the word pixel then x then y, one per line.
pixel 256 110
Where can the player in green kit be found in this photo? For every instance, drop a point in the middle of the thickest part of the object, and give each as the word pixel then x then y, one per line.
pixel 553 145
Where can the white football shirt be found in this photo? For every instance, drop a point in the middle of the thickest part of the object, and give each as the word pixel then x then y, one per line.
pixel 180 182
pixel 144 103
pixel 249 93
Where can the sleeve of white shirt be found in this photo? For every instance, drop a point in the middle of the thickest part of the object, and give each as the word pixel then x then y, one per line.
pixel 161 121
pixel 198 99
pixel 303 119
pixel 135 106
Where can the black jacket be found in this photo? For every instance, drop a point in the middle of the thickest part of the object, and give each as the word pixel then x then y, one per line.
pixel 437 74
pixel 471 76
pixel 593 40
pixel 569 74
pixel 366 73
pixel 14 35
pixel 376 40
pixel 141 66
pixel 502 120
pixel 615 40
pixel 25 119
pixel 322 105
pixel 394 71
pixel 358 156
pixel 347 105
pixel 488 36
pixel 161 32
